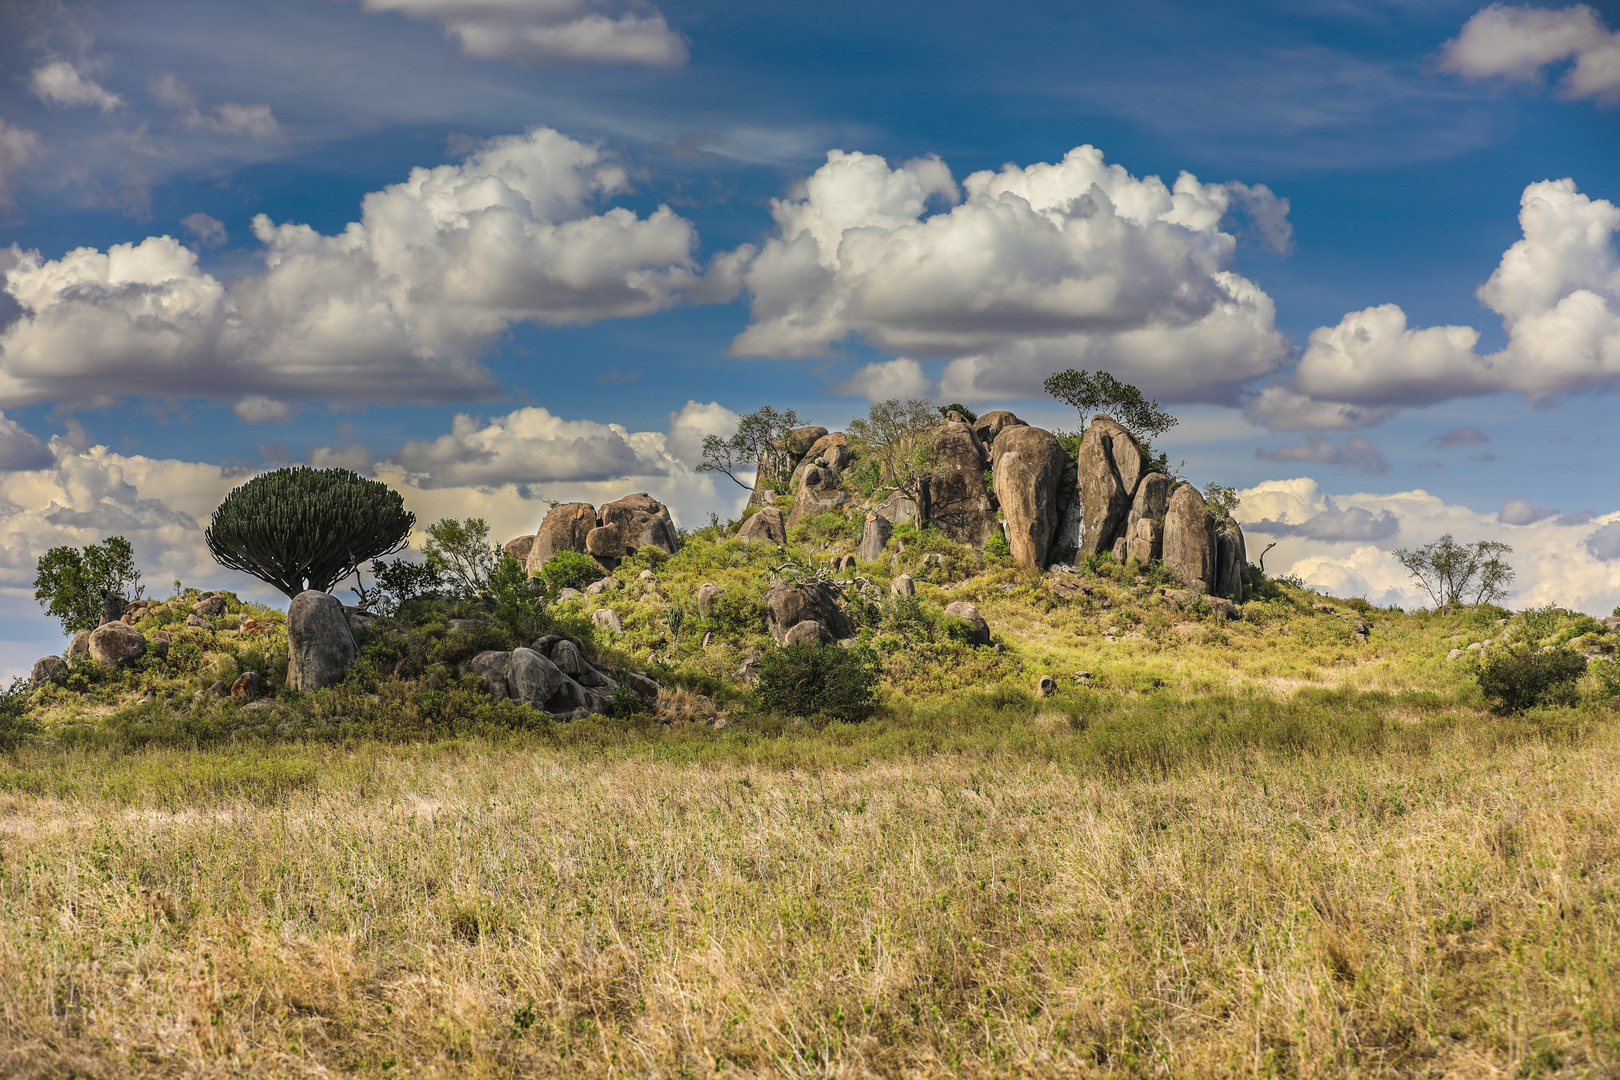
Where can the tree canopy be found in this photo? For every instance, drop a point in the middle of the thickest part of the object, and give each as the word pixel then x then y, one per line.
pixel 1101 392
pixel 1449 571
pixel 891 435
pixel 760 443
pixel 301 528
pixel 73 585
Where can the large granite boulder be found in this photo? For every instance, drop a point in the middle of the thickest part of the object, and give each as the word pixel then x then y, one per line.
pixel 1111 466
pixel 519 548
pixel 801 439
pixel 808 632
pixel 1152 501
pixel 494 667
pixel 320 644
pixel 991 424
pixel 957 500
pixel 1029 467
pixel 817 493
pixel 564 529
pixel 605 542
pixel 1146 540
pixel 1188 539
pixel 765 525
pixel 1230 558
pixel 115 643
pixel 533 679
pixel 790 603
pixel 79 647
pixel 875 538
pixel 980 632
pixel 210 607
pixel 901 509
pixel 642 521
pixel 46 669
pixel 831 451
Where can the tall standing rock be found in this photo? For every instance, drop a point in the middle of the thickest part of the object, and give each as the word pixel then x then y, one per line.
pixel 1187 539
pixel 565 528
pixel 957 500
pixel 1230 558
pixel 875 538
pixel 319 642
pixel 1029 467
pixel 1111 466
pixel 1152 501
pixel 765 525
pixel 817 493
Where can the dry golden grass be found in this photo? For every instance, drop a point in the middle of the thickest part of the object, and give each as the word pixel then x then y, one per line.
pixel 517 910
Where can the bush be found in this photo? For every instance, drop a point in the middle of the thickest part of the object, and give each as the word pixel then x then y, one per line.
pixel 1519 679
pixel 819 680
pixel 996 546
pixel 14 719
pixel 569 570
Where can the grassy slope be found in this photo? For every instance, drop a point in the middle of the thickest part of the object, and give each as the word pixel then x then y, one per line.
pixel 1257 847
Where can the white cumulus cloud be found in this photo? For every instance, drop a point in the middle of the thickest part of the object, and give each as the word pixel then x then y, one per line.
pixel 62 84
pixel 1518 43
pixel 1557 291
pixel 258 409
pixel 396 307
pixel 898 378
pixel 695 422
pixel 550 31
pixel 1021 272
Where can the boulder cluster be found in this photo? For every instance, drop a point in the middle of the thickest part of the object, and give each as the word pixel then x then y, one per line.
pixel 554 676
pixel 607 535
pixel 999 475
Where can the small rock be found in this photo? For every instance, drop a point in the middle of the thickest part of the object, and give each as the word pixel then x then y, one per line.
pixel 248 686
pixel 846 563
pixel 706 639
pixel 707 594
pixel 1475 647
pixel 1454 654
pixel 961 609
pixel 607 584
pixel 197 621
pixel 766 526
pixel 1083 678
pixel 808 632
pixel 569 594
pixel 46 669
pixel 646 575
pixel 1326 609
pixel 212 607
pixel 608 620
pixel 903 586
pixel 1046 687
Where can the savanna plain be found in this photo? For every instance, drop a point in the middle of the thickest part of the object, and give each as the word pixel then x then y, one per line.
pixel 1262 847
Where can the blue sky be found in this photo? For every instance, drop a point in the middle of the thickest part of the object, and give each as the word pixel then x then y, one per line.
pixel 1348 156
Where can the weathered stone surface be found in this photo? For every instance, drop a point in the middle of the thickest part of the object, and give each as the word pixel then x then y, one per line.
pixel 1187 551
pixel 808 632
pixel 574 702
pixel 533 679
pixel 817 493
pixel 320 644
pixel 116 643
pixel 1228 570
pixel 112 608
pixel 79 647
pixel 1220 605
pixel 991 424
pixel 1110 466
pixel 875 538
pixel 1121 551
pixel 801 439
pixel 707 594
pixel 903 586
pixel 761 497
pixel 1152 501
pixel 787 604
pixel 765 526
pixel 1147 540
pixel 957 500
pixel 831 451
pixel 249 686
pixel 564 529
pixel 901 509
pixel 604 542
pixel 210 608
pixel 961 609
pixel 519 548
pixel 1071 524
pixel 568 658
pixel 494 666
pixel 1029 467
pixel 608 620
pixel 1045 686
pixel 196 621
pixel 46 669
pixel 642 521
pixel 569 594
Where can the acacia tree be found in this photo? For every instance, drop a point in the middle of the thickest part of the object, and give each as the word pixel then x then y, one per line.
pixel 1449 571
pixel 891 435
pixel 761 443
pixel 461 554
pixel 78 587
pixel 1104 393
pixel 301 528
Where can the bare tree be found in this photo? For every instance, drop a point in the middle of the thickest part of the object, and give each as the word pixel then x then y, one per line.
pixel 1449 572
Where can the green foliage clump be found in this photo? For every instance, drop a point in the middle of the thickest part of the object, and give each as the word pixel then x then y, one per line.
pixel 301 528
pixel 517 608
pixel 15 722
pixel 401 581
pixel 957 407
pixel 1122 401
pixel 996 546
pixel 1518 679
pixel 828 528
pixel 569 570
pixel 819 680
pixel 762 442
pixel 72 585
pixel 460 554
pixel 893 434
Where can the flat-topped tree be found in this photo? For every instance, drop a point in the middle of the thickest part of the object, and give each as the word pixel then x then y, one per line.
pixel 303 528
pixel 1104 393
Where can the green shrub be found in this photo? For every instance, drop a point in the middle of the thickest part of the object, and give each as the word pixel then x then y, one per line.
pixel 569 570
pixel 517 608
pixel 1519 679
pixel 739 611
pixel 1608 674
pixel 996 546
pixel 15 723
pixel 819 680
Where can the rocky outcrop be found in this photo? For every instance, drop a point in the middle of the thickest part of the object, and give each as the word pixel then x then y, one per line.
pixel 817 493
pixel 79 647
pixel 991 424
pixel 534 680
pixel 875 538
pixel 979 634
pixel 642 521
pixel 1110 468
pixel 831 452
pixel 565 528
pixel 115 643
pixel 1188 539
pixel 494 667
pixel 320 644
pixel 765 525
pixel 210 607
pixel 1028 469
pixel 787 604
pixel 46 669
pixel 1152 501
pixel 958 503
pixel 555 677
